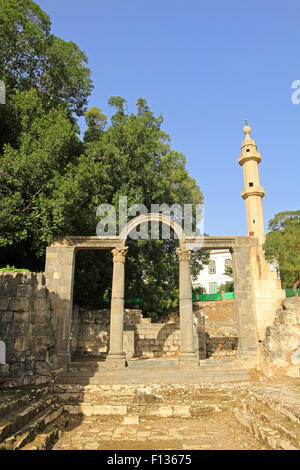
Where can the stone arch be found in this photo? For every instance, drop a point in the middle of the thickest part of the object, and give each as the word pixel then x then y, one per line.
pixel 187 349
pixel 152 217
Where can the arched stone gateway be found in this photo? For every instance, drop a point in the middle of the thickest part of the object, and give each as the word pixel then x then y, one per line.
pixel 187 350
pixel 252 304
pixel 152 217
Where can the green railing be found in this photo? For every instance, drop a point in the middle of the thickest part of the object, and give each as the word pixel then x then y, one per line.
pixel 290 293
pixel 209 297
pixel 229 295
pixel 195 297
pixel 206 297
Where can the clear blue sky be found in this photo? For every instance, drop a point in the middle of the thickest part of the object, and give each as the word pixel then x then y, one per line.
pixel 205 65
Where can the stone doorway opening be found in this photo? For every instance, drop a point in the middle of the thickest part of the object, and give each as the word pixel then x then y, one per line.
pixel 59 273
pixel 91 317
pixel 91 305
pixel 214 298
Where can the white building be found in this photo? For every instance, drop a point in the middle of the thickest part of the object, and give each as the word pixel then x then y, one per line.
pixel 213 274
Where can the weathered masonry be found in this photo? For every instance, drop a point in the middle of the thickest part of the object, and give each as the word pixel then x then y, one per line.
pixel 36 309
pixel 252 275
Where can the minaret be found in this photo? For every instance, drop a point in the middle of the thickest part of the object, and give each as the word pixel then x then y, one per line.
pixel 253 192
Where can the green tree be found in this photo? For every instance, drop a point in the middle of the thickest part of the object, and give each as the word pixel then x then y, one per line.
pixel 96 122
pixel 32 57
pixel 282 245
pixel 44 182
pixel 137 161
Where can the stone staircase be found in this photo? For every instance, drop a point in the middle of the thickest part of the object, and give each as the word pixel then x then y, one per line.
pixel 272 427
pixel 271 424
pixel 31 421
pixel 146 371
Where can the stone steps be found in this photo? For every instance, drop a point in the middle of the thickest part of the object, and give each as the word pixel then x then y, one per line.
pixel 198 373
pixel 19 400
pixel 153 376
pixel 46 440
pixel 159 410
pixel 267 425
pixel 19 428
pixel 152 364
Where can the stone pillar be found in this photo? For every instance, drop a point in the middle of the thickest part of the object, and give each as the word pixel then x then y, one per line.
pixel 187 356
pixel 248 349
pixel 116 356
pixel 59 274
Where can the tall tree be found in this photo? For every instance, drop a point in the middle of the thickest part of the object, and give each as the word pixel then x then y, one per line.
pixel 43 181
pixel 33 58
pixel 282 245
pixel 137 161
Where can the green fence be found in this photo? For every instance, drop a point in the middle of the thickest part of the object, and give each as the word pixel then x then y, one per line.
pixel 205 297
pixel 195 297
pixel 209 297
pixel 229 295
pixel 290 293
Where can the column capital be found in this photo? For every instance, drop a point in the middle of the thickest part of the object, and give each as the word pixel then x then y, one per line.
pixel 183 254
pixel 119 254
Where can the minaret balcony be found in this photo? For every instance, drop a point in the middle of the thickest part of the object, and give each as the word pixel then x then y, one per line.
pixel 246 157
pixel 254 191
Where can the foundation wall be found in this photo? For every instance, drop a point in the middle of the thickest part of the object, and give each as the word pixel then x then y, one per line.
pixel 90 334
pixel 25 327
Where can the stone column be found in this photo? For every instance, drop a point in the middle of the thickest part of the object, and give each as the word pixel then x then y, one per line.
pixel 248 349
pixel 59 274
pixel 187 356
pixel 116 356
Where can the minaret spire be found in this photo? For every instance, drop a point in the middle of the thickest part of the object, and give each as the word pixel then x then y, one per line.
pixel 253 192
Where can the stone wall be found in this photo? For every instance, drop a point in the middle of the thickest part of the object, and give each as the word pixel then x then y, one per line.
pixel 25 326
pixel 90 331
pixel 267 290
pixel 90 334
pixel 282 341
pixel 220 327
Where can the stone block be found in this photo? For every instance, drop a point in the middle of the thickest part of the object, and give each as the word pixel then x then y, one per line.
pixel 118 409
pixel 16 369
pixel 42 304
pixel 165 411
pixel 183 411
pixel 43 329
pixel 6 316
pixel 131 420
pixel 87 409
pixel 72 409
pixel 16 330
pixel 23 290
pixel 40 317
pixel 42 292
pixel 102 410
pixel 42 368
pixel 21 316
pixel 4 301
pixel 4 370
pixel 22 304
pixel 21 344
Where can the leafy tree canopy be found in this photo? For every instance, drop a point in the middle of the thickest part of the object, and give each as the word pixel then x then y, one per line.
pixel 282 245
pixel 137 161
pixel 32 57
pixel 51 182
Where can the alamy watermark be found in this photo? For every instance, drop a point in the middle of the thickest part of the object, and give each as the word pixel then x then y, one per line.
pixel 296 95
pixel 185 221
pixel 2 92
